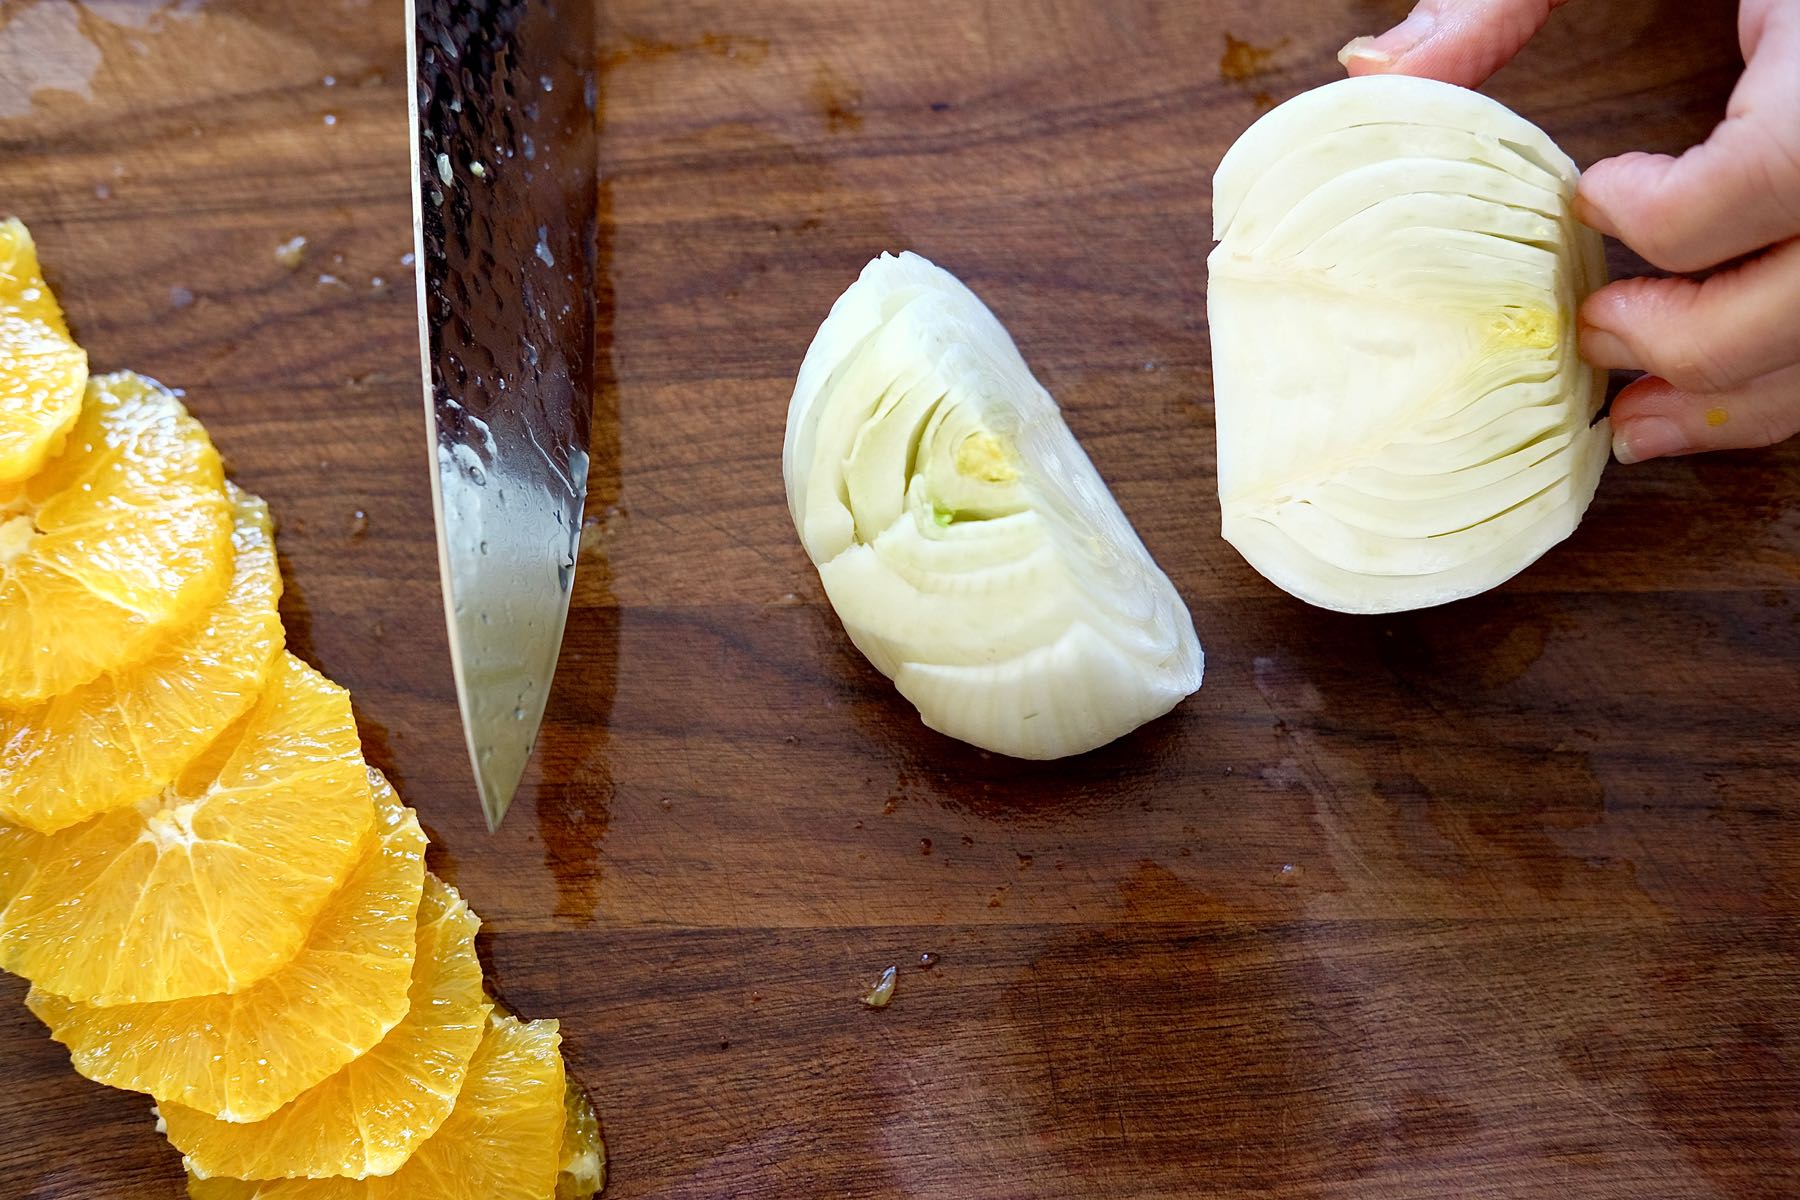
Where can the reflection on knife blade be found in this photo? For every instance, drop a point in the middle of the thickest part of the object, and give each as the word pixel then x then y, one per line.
pixel 505 202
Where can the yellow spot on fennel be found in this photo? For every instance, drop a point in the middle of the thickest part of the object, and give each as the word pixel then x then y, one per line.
pixel 1526 329
pixel 983 456
pixel 1717 417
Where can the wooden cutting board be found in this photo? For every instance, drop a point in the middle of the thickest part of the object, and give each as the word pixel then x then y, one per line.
pixel 1492 901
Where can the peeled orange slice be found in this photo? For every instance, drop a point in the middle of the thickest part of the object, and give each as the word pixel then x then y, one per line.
pixel 119 539
pixel 214 884
pixel 503 1140
pixel 371 1116
pixel 42 372
pixel 124 736
pixel 243 1056
pixel 583 1170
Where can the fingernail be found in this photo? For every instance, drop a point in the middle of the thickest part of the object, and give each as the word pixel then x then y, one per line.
pixel 1362 49
pixel 1589 214
pixel 1603 348
pixel 1384 50
pixel 1647 438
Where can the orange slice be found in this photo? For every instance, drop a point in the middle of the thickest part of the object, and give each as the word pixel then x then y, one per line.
pixel 582 1172
pixel 502 1141
pixel 123 737
pixel 371 1116
pixel 42 371
pixel 245 1055
pixel 215 883
pixel 119 539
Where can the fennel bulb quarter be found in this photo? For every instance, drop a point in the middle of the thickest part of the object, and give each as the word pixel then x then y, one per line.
pixel 963 537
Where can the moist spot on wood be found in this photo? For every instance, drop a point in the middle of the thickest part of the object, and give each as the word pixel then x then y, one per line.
pixel 837 101
pixel 749 51
pixel 1244 61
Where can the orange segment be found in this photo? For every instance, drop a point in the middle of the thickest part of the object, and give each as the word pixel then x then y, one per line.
pixel 371 1116
pixel 18 857
pixel 123 737
pixel 119 539
pixel 583 1169
pixel 246 1055
pixel 42 372
pixel 215 883
pixel 502 1141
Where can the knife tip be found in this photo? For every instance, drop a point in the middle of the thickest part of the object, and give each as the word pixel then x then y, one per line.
pixel 496 798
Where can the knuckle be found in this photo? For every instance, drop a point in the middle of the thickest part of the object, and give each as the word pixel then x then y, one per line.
pixel 1660 232
pixel 1677 326
pixel 1696 367
pixel 1691 333
pixel 1775 427
pixel 1781 170
pixel 1782 419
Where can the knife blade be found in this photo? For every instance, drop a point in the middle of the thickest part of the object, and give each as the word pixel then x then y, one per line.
pixel 504 210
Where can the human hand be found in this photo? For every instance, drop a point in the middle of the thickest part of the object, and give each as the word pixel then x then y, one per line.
pixel 1721 356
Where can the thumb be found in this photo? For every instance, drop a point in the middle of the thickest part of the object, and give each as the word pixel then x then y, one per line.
pixel 1456 41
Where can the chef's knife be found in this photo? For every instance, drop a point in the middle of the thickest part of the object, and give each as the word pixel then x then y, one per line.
pixel 504 206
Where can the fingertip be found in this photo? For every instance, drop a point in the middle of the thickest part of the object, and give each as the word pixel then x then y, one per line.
pixel 1610 308
pixel 1589 211
pixel 1382 54
pixel 1604 348
pixel 1607 188
pixel 1647 306
pixel 1601 189
pixel 1648 202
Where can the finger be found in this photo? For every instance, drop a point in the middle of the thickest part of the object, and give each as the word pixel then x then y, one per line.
pixel 1702 337
pixel 1734 193
pixel 1653 418
pixel 1457 41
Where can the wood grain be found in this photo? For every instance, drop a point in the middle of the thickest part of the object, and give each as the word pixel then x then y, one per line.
pixel 1493 901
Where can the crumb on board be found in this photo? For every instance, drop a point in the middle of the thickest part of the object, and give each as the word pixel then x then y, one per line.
pixel 883 992
pixel 290 252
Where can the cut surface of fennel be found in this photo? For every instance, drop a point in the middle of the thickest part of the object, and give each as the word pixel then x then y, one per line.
pixel 970 548
pixel 1403 415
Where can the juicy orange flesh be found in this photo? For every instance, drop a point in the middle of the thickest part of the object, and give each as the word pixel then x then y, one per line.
pixel 117 541
pixel 214 884
pixel 583 1169
pixel 123 737
pixel 19 850
pixel 370 1117
pixel 243 1056
pixel 42 372
pixel 502 1141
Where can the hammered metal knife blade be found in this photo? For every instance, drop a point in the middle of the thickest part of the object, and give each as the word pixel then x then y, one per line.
pixel 504 211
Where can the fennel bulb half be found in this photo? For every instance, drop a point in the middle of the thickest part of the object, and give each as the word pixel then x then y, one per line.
pixel 1403 416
